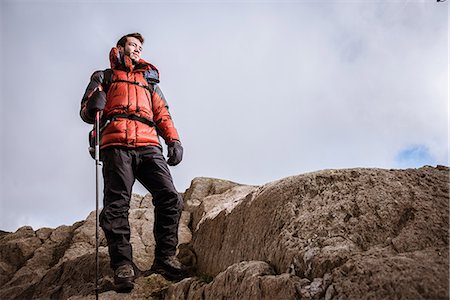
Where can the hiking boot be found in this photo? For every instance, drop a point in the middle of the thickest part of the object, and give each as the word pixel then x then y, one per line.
pixel 123 279
pixel 169 267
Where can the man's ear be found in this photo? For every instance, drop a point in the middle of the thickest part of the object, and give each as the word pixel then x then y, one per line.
pixel 120 48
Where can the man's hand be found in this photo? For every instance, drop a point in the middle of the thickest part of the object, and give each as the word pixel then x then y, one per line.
pixel 175 153
pixel 96 102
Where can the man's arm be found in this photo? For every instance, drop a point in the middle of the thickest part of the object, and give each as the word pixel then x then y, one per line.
pixel 167 129
pixel 94 98
pixel 162 117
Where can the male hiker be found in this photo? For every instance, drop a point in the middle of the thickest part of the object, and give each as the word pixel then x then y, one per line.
pixel 134 111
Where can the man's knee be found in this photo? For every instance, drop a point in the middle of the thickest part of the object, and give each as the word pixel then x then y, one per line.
pixel 115 219
pixel 169 200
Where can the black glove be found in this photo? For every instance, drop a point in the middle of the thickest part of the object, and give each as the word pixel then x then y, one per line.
pixel 175 153
pixel 96 102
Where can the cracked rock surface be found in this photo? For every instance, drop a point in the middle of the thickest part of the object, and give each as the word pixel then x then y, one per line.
pixel 337 234
pixel 332 234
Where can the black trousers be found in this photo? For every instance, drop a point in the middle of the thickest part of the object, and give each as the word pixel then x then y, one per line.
pixel 121 167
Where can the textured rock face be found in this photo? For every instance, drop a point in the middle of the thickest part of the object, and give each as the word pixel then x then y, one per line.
pixel 333 234
pixel 245 280
pixel 352 233
pixel 60 263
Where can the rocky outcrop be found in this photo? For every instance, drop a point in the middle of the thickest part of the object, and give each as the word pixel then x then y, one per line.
pixel 332 234
pixel 60 263
pixel 245 280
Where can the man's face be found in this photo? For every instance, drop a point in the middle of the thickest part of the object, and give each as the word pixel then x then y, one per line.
pixel 133 48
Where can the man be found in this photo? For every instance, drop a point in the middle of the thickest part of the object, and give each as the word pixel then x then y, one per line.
pixel 134 111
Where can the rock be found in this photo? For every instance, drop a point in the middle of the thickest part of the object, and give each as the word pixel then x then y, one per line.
pixel 145 288
pixel 44 233
pixel 329 293
pixel 212 205
pixel 2 233
pixel 45 256
pixel 332 234
pixel 315 223
pixel 244 280
pixel 15 249
pixel 384 273
pixel 201 187
pixel 315 290
pixel 60 263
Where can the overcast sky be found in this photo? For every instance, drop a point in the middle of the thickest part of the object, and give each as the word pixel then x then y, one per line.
pixel 258 90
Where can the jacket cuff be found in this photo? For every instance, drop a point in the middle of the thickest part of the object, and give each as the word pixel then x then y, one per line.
pixel 170 141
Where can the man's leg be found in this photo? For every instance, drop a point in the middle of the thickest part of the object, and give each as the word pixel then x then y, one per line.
pixel 154 174
pixel 152 171
pixel 118 181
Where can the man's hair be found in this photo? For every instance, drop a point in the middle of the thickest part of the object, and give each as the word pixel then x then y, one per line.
pixel 123 39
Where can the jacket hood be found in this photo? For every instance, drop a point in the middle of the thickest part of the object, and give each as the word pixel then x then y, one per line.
pixel 127 64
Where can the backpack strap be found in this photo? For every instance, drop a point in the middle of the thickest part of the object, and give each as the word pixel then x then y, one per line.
pixel 108 75
pixel 113 117
pixel 147 87
pixel 107 79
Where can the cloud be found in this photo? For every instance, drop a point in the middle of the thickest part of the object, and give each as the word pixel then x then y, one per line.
pixel 258 91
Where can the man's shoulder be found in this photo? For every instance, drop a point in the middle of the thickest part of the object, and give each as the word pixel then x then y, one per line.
pixel 100 75
pixel 97 74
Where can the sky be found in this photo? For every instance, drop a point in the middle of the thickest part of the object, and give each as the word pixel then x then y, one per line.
pixel 258 90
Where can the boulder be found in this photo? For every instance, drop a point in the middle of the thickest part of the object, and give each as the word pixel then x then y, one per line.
pixel 316 225
pixel 202 187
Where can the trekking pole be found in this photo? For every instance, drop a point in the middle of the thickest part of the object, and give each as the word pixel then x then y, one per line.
pixel 97 197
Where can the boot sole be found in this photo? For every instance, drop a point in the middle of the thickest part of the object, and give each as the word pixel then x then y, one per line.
pixel 166 274
pixel 125 286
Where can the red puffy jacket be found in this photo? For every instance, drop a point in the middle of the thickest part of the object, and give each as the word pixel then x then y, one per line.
pixel 128 95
